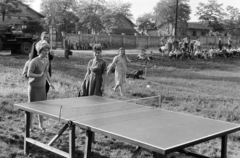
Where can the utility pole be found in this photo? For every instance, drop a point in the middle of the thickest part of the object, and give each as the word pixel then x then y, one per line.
pixel 176 19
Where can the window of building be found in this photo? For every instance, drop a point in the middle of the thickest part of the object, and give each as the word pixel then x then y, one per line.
pixel 203 33
pixel 194 33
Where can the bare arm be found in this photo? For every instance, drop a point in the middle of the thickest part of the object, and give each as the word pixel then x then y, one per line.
pixel 111 65
pixel 127 59
pixel 25 69
pixel 49 80
pixel 104 76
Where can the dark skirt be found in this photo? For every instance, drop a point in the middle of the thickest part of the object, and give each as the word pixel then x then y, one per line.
pixel 92 85
pixel 36 93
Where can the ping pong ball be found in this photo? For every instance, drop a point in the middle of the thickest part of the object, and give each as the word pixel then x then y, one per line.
pixel 148 86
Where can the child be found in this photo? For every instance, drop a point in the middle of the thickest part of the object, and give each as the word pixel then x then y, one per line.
pixel 150 57
pixel 142 55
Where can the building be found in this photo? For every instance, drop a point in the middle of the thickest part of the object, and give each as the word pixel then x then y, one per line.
pixel 193 30
pixel 123 26
pixel 196 29
pixel 18 20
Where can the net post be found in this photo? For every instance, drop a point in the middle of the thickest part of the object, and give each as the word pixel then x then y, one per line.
pixel 160 100
pixel 60 113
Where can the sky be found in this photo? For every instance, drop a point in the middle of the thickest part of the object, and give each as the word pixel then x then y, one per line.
pixel 139 7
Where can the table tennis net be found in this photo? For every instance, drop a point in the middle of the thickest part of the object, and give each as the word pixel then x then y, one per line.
pixel 121 105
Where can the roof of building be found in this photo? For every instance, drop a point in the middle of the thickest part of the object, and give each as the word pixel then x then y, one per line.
pixel 197 25
pixel 34 11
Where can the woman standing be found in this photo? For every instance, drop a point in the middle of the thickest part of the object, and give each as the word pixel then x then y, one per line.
pixel 95 77
pixel 38 74
pixel 120 61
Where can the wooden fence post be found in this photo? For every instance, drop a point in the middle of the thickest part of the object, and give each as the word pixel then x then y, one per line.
pixel 148 41
pixel 123 39
pixel 136 40
pixel 110 40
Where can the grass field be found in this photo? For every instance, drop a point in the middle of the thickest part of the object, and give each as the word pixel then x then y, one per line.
pixel 208 88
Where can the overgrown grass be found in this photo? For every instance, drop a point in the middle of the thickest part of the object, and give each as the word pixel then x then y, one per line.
pixel 208 88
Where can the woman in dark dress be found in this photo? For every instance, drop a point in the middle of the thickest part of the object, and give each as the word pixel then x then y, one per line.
pixel 94 80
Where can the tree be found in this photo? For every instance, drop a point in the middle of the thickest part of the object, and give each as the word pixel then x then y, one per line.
pixel 89 13
pixel 33 27
pixel 146 21
pixel 113 12
pixel 58 13
pixel 211 14
pixel 9 6
pixel 165 12
pixel 232 21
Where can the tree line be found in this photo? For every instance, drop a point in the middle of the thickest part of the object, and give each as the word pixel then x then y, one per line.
pixel 97 16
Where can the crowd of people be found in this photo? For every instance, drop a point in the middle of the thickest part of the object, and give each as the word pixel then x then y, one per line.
pixel 179 49
pixel 86 46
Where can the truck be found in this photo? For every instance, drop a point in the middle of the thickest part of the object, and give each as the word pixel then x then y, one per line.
pixel 14 40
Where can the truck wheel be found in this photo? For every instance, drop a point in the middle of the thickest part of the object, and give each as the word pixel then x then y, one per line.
pixel 1 45
pixel 26 48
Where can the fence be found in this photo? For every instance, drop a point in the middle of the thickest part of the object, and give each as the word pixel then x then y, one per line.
pixel 84 41
pixel 112 41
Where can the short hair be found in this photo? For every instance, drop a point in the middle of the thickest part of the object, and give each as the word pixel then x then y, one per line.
pixel 97 47
pixel 42 45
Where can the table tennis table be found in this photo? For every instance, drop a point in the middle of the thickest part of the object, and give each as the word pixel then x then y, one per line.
pixel 153 129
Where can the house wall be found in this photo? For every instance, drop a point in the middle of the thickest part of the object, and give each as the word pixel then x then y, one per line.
pixel 20 18
pixel 198 33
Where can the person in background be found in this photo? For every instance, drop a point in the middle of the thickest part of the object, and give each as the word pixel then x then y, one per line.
pixel 170 44
pixel 175 44
pixel 192 43
pixel 150 56
pixel 94 81
pixel 120 61
pixel 38 74
pixel 185 44
pixel 220 44
pixel 66 46
pixel 197 45
pixel 229 42
pixel 142 55
pixel 44 37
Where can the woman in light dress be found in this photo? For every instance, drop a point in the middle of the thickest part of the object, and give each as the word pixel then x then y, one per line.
pixel 120 61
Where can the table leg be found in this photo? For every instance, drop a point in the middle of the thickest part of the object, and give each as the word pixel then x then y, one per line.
pixel 27 133
pixel 157 155
pixel 224 147
pixel 72 140
pixel 88 144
